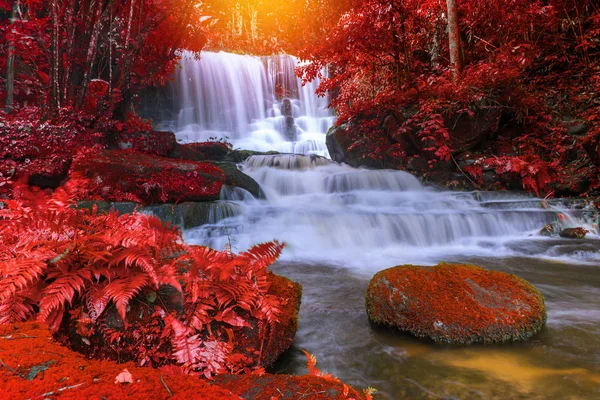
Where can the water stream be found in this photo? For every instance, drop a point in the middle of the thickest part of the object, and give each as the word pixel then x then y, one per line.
pixel 342 225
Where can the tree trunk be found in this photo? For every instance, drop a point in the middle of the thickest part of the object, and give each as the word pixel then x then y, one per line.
pixel 55 92
pixel 10 65
pixel 454 38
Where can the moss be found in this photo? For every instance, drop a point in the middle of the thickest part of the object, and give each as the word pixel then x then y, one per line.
pixel 456 303
pixel 126 175
pixel 69 375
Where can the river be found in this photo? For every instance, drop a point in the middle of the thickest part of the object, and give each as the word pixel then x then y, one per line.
pixel 342 225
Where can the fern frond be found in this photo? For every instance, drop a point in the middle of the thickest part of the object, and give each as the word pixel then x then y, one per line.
pixel 16 274
pixel 183 346
pixel 16 309
pixel 264 254
pixel 138 257
pixel 121 290
pixel 62 290
pixel 313 370
pixel 96 300
pixel 311 361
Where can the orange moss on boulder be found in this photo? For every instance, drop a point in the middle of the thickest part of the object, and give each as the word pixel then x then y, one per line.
pixel 247 340
pixel 126 175
pixel 35 366
pixel 456 303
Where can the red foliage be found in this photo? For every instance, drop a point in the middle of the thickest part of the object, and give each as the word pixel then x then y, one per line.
pixel 538 62
pixel 31 147
pixel 80 270
pixel 118 175
pixel 29 347
pixel 64 49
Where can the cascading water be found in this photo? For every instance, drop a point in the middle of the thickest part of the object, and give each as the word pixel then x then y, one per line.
pixel 332 215
pixel 255 103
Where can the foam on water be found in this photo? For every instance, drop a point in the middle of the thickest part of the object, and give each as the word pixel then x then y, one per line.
pixel 333 213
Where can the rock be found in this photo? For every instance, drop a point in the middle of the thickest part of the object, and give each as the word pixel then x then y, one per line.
pixel 185 215
pixel 290 129
pixel 123 207
pixel 190 215
pixel 573 233
pixel 235 177
pixel 456 304
pixel 239 156
pixel 286 108
pixel 392 126
pixel 116 174
pixel 591 144
pixel 55 364
pixel 547 230
pixel 47 172
pixel 186 152
pixel 337 142
pixel 577 128
pixel 150 142
pixel 214 151
pixel 285 387
pixel 247 340
pixel 417 164
pixel 466 132
pixel 287 161
pixel 261 346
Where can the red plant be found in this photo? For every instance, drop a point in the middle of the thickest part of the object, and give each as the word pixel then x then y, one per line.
pixel 537 63
pixel 81 269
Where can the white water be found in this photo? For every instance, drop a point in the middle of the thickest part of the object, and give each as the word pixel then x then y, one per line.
pixel 234 97
pixel 335 214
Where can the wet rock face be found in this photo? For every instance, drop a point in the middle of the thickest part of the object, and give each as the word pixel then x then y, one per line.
pixel 457 304
pixel 235 177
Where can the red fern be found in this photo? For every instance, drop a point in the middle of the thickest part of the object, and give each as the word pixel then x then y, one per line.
pixel 62 261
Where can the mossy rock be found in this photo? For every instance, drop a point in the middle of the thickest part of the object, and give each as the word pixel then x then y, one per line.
pixel 117 174
pixel 185 215
pixel 457 304
pixel 235 177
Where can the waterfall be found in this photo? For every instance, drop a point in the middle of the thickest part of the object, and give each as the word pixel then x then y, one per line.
pixel 331 213
pixel 256 103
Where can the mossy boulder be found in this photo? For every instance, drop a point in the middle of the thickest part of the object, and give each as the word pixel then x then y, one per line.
pixel 185 215
pixel 458 304
pixel 115 175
